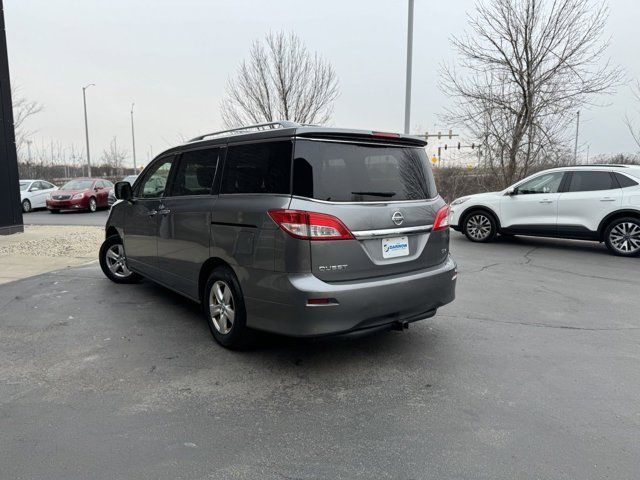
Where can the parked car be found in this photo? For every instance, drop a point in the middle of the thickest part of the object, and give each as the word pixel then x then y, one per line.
pixel 34 193
pixel 347 234
pixel 112 194
pixel 81 194
pixel 591 202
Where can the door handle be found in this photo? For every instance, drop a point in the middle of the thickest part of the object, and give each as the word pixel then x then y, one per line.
pixel 546 201
pixel 607 199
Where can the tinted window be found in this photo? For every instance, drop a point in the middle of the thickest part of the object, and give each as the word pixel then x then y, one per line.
pixel 547 183
pixel 258 168
pixel 155 180
pixel 195 173
pixel 345 172
pixel 625 181
pixel 38 185
pixel 591 181
pixel 46 185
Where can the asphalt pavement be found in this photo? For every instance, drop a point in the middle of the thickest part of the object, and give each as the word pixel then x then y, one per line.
pixel 533 372
pixel 44 217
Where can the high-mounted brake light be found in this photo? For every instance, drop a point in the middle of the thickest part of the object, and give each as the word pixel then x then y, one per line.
pixel 310 225
pixel 442 219
pixel 385 134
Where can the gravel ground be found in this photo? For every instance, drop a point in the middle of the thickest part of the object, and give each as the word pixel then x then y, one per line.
pixel 54 241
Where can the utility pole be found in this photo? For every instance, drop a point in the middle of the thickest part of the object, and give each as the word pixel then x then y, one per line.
pixel 575 148
pixel 133 140
pixel 86 125
pixel 407 99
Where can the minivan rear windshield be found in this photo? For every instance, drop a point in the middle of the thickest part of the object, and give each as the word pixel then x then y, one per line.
pixel 353 172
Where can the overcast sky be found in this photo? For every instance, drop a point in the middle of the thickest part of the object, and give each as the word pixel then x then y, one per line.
pixel 172 58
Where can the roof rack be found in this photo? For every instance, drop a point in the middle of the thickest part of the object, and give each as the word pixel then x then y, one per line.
pixel 617 165
pixel 259 126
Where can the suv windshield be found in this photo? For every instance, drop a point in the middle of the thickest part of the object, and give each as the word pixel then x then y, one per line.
pixel 350 172
pixel 77 185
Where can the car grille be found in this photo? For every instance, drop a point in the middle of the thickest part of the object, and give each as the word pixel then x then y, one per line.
pixel 61 197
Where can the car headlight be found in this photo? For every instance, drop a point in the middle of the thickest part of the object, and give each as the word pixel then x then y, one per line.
pixel 460 200
pixel 77 196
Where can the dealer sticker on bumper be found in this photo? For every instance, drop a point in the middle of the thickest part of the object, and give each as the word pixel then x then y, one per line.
pixel 395 247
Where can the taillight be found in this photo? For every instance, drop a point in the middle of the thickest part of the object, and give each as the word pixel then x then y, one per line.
pixel 385 134
pixel 442 219
pixel 310 225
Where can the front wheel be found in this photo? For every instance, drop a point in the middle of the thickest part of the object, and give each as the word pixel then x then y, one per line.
pixel 480 226
pixel 113 261
pixel 93 205
pixel 223 306
pixel 622 237
pixel 26 206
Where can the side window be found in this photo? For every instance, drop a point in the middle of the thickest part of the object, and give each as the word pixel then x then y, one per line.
pixel 100 184
pixel 547 183
pixel 258 168
pixel 46 185
pixel 38 185
pixel 155 181
pixel 591 181
pixel 107 183
pixel 195 173
pixel 625 181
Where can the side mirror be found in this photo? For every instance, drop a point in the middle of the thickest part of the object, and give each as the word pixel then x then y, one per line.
pixel 123 191
pixel 512 191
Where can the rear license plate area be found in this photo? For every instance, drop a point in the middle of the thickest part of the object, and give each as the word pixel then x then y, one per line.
pixel 395 247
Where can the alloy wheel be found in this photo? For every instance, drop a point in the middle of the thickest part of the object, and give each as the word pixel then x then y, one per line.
pixel 625 238
pixel 26 206
pixel 479 227
pixel 117 261
pixel 222 307
pixel 93 206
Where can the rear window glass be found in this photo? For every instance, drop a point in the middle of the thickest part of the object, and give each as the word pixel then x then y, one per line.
pixel 346 172
pixel 625 181
pixel 591 181
pixel 258 168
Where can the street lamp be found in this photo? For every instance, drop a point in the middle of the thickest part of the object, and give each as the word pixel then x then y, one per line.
pixel 86 125
pixel 407 98
pixel 133 140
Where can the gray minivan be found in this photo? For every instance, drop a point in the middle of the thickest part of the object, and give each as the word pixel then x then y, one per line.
pixel 294 229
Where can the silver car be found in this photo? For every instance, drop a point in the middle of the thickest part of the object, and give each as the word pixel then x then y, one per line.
pixel 298 230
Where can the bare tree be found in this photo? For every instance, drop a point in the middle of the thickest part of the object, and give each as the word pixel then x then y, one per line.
pixel 281 80
pixel 528 66
pixel 23 109
pixel 113 157
pixel 634 125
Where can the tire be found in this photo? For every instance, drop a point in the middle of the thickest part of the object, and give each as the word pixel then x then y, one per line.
pixel 93 204
pixel 480 226
pixel 224 309
pixel 54 211
pixel 26 206
pixel 622 237
pixel 113 261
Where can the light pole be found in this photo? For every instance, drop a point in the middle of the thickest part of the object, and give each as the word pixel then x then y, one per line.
pixel 86 125
pixel 407 98
pixel 575 148
pixel 133 140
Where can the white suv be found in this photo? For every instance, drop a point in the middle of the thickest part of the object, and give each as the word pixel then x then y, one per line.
pixel 594 202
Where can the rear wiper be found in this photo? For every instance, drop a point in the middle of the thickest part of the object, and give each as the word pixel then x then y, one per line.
pixel 375 194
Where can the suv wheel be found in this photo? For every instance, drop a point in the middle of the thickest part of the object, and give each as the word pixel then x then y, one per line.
pixel 224 309
pixel 480 226
pixel 114 262
pixel 622 237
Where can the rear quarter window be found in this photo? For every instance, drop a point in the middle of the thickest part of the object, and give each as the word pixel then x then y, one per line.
pixel 625 181
pixel 350 172
pixel 258 168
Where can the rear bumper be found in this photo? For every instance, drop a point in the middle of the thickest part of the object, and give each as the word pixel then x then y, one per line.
pixel 359 305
